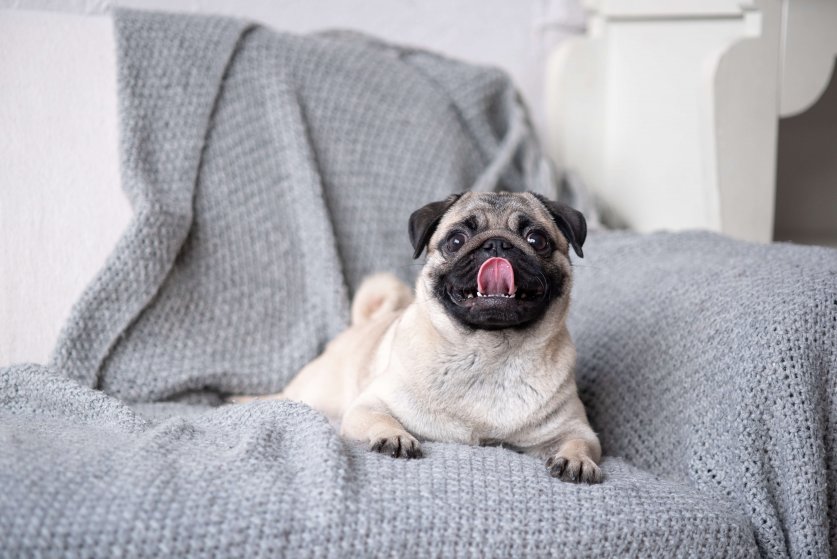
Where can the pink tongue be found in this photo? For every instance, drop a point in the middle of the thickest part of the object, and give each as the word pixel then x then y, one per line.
pixel 496 277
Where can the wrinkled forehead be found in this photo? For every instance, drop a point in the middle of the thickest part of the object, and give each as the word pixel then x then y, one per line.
pixel 496 210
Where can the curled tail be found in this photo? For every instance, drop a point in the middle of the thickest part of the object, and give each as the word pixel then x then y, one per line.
pixel 378 295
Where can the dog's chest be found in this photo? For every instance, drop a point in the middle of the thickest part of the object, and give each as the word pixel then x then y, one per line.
pixel 483 396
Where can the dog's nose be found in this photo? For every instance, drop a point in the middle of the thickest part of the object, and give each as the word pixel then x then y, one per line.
pixel 497 245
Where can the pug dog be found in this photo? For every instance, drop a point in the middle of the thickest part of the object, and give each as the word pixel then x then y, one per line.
pixel 480 354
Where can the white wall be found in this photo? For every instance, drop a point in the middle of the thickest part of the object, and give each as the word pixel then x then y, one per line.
pixel 61 206
pixel 516 35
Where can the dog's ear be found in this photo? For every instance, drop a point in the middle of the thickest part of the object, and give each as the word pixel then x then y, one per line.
pixel 424 221
pixel 570 222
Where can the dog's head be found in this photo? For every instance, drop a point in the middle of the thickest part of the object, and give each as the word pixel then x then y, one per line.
pixel 497 260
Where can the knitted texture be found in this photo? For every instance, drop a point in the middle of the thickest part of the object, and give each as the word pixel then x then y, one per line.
pixel 714 362
pixel 82 474
pixel 268 174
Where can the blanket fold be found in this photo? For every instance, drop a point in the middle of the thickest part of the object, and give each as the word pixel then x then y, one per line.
pixel 163 133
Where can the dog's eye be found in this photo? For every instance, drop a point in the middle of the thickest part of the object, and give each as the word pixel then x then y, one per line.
pixel 537 241
pixel 456 240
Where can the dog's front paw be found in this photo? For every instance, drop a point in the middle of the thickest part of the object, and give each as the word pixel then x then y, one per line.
pixel 397 445
pixel 575 467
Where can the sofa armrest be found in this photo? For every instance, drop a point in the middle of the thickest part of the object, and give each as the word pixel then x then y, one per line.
pixel 714 362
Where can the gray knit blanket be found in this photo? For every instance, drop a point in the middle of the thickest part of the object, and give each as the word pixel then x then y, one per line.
pixel 268 173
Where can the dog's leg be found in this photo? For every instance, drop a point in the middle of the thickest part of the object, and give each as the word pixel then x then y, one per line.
pixel 369 420
pixel 575 460
pixel 572 450
pixel 567 442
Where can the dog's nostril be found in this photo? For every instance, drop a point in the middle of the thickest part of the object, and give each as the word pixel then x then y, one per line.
pixel 495 244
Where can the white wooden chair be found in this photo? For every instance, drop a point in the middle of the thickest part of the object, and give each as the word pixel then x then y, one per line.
pixel 668 110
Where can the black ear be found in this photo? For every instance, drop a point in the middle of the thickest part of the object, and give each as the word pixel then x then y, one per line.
pixel 424 221
pixel 570 222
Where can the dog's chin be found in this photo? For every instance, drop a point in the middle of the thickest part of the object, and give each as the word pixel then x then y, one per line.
pixel 493 312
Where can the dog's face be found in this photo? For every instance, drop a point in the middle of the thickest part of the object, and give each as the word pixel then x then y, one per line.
pixel 497 260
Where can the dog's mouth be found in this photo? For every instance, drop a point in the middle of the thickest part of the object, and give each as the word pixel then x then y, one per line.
pixel 495 286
